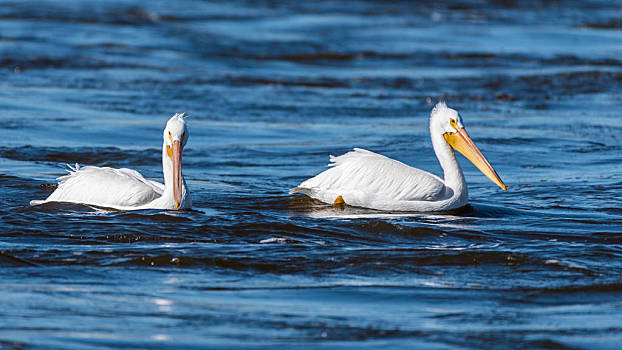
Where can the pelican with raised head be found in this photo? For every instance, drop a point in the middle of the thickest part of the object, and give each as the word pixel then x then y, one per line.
pixel 126 189
pixel 365 179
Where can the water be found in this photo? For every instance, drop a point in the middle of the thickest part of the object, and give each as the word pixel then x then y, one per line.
pixel 273 89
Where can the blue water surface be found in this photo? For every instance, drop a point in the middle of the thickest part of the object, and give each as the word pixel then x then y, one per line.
pixel 272 89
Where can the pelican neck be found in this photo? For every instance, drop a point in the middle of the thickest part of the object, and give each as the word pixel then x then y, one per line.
pixel 167 171
pixel 453 176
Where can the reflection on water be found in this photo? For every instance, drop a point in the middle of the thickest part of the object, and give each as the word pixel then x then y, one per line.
pixel 272 90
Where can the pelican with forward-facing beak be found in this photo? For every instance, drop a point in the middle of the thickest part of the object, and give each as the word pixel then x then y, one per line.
pixel 126 189
pixel 366 179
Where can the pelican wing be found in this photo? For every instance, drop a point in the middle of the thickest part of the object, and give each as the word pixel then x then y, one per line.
pixel 362 177
pixel 107 187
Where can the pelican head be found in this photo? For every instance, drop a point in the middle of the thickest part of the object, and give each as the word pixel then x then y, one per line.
pixel 448 123
pixel 175 138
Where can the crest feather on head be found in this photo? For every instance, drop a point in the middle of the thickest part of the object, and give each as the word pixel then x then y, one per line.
pixel 439 106
pixel 181 115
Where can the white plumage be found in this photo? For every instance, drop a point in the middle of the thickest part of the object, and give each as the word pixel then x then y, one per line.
pixel 127 189
pixel 367 179
pixel 364 176
pixel 131 189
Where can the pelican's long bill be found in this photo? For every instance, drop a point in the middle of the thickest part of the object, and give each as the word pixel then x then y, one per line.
pixel 462 143
pixel 176 158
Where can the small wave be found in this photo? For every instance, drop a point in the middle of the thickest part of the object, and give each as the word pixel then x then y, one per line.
pixel 8 260
pixel 613 23
pixel 19 64
pixel 100 156
pixel 606 287
pixel 323 82
pixel 279 240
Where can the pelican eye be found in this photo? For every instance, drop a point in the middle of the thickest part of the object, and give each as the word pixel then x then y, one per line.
pixel 170 136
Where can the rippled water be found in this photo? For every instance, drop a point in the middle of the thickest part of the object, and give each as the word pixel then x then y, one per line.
pixel 273 89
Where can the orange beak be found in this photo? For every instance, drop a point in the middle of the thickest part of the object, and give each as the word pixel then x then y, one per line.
pixel 462 143
pixel 177 180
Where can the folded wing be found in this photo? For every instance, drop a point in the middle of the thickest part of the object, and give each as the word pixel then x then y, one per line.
pixel 362 176
pixel 107 187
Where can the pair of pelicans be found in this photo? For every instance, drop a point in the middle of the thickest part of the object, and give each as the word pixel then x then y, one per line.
pixel 358 178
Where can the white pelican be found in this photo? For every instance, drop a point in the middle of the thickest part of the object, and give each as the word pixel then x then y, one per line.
pixel 127 189
pixel 365 179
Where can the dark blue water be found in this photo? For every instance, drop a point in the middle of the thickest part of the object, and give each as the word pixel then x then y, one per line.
pixel 273 88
